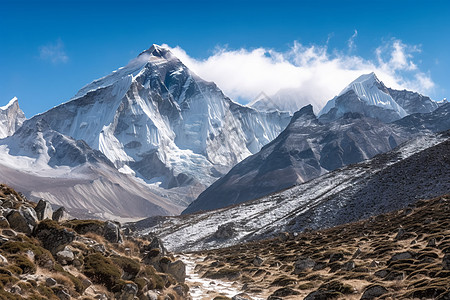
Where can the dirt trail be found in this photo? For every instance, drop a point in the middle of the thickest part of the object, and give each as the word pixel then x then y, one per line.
pixel 205 288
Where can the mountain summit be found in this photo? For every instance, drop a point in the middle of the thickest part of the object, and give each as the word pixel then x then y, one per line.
pixel 369 96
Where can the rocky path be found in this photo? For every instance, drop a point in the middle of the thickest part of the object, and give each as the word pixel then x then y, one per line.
pixel 205 288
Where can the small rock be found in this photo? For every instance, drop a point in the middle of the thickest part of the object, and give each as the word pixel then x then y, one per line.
pixel 129 291
pixel 86 283
pixel 432 243
pixel 15 290
pixel 402 255
pixel 348 266
pixel 374 264
pixel 53 238
pixel 303 264
pixel 99 248
pixel 9 232
pixel 65 256
pixel 400 233
pixel 381 273
pixel 30 254
pixel 258 261
pixel 49 264
pixel 446 262
pixel 150 295
pixel 373 292
pixel 4 222
pixel 127 251
pixel 3 260
pixel 357 253
pixel 3 240
pixel 241 296
pixel 336 257
pixel 284 292
pixel 50 281
pixel 60 215
pixel 44 210
pixel 62 295
pixel 77 263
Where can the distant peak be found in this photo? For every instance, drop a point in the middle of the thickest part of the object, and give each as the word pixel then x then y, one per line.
pixel 367 77
pixel 304 111
pixel 10 103
pixel 157 51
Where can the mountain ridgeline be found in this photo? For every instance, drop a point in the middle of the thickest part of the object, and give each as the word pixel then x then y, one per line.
pixel 363 121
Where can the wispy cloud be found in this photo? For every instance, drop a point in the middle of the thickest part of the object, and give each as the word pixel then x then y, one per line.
pixel 317 73
pixel 351 41
pixel 53 52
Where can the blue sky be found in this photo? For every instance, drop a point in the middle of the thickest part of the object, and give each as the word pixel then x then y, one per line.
pixel 50 49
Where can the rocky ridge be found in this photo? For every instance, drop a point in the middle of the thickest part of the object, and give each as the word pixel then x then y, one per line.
pixel 46 254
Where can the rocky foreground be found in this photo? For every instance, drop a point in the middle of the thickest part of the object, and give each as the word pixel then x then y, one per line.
pixel 44 255
pixel 400 255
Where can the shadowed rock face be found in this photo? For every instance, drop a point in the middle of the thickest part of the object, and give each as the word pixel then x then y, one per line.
pixel 306 149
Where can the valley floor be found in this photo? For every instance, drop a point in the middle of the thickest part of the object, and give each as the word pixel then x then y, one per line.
pixel 400 255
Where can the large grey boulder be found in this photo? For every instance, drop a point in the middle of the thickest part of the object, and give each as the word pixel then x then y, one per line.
pixel 60 215
pixel 44 210
pixel 111 232
pixel 23 219
pixel 53 237
pixel 178 270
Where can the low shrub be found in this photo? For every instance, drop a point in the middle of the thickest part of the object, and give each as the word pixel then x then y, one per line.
pixel 101 270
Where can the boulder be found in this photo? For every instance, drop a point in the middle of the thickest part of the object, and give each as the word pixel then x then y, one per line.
pixel 23 219
pixel 44 210
pixel 60 215
pixel 65 256
pixel 111 232
pixel 156 243
pixel 53 236
pixel 303 264
pixel 225 231
pixel 373 291
pixel 178 270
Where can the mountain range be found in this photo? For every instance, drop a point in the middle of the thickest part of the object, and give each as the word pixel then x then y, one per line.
pixel 352 127
pixel 150 137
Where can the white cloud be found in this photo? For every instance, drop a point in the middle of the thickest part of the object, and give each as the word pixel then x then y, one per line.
pixel 53 52
pixel 351 41
pixel 313 71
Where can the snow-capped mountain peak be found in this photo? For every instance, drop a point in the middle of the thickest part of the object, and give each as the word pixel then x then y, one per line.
pixel 11 118
pixel 370 93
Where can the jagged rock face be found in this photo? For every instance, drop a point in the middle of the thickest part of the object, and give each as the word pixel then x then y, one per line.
pixel 413 102
pixel 306 149
pixel 436 121
pixel 157 119
pixel 11 118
